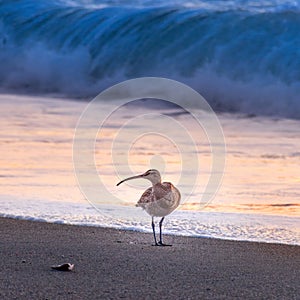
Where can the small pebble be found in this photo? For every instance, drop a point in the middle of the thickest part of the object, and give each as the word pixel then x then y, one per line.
pixel 63 267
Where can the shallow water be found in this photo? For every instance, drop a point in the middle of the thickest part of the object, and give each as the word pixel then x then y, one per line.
pixel 258 199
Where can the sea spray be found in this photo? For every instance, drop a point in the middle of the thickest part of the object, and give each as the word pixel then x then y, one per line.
pixel 241 56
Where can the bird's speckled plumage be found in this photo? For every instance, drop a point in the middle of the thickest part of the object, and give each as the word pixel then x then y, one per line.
pixel 160 199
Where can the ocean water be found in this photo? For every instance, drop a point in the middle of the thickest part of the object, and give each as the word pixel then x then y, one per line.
pixel 242 56
pixel 258 199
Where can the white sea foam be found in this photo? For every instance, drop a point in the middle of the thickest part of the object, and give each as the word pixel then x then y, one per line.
pixel 231 226
pixel 239 54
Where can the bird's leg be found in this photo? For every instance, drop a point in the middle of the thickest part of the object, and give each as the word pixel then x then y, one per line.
pixel 153 228
pixel 160 234
pixel 160 243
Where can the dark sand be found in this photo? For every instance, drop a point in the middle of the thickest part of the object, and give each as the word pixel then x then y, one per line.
pixel 113 264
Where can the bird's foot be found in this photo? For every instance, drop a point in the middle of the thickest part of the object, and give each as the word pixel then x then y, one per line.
pixel 160 243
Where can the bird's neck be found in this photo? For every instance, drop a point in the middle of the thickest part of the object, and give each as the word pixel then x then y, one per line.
pixel 155 181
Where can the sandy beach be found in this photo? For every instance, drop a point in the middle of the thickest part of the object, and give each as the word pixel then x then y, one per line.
pixel 112 264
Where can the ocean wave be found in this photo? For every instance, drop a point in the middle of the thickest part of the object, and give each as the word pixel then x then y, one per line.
pixel 241 56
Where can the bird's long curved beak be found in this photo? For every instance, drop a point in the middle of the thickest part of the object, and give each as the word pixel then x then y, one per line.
pixel 129 178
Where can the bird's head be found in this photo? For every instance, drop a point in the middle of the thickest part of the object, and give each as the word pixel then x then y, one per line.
pixel 152 175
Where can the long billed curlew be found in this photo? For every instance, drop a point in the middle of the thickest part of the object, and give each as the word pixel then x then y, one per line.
pixel 159 200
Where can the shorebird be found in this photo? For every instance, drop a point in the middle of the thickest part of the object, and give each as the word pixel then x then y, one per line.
pixel 158 201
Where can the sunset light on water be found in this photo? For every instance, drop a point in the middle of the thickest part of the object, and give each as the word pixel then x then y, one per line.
pixel 261 175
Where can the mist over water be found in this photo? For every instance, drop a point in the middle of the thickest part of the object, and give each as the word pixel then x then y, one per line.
pixel 242 56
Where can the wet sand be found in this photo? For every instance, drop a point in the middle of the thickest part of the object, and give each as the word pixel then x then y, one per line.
pixel 113 264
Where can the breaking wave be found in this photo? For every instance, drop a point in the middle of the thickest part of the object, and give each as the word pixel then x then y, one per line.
pixel 242 56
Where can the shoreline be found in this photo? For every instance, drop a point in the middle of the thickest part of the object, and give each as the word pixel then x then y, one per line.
pixel 112 263
pixel 90 225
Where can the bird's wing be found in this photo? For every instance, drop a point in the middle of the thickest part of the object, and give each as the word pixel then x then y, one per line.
pixel 171 192
pixel 146 198
pixel 165 190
